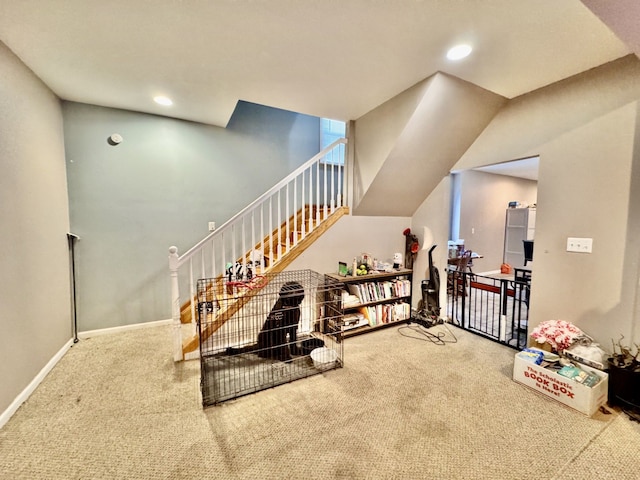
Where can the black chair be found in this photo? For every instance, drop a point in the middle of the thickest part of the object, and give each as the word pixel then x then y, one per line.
pixel 522 277
pixel 456 279
pixel 528 251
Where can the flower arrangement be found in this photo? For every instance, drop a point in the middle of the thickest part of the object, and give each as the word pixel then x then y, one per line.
pixel 560 334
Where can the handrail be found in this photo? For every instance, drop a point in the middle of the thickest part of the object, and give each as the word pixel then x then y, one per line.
pixel 182 258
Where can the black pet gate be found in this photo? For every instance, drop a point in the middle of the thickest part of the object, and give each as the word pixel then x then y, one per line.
pixel 265 331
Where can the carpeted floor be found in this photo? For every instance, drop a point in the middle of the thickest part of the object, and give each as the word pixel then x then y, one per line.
pixel 118 407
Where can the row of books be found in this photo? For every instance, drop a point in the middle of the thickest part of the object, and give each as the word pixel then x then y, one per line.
pixel 386 313
pixel 375 291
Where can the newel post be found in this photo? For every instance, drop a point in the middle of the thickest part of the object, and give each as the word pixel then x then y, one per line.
pixel 175 305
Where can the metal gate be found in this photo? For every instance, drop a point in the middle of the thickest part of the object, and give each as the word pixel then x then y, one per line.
pixel 493 306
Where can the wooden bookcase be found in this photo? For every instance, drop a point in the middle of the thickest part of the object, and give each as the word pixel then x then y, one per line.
pixel 383 299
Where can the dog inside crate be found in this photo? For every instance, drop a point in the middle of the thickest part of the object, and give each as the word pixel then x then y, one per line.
pixel 278 337
pixel 269 340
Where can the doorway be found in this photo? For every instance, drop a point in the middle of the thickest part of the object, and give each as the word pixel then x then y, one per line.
pixel 493 303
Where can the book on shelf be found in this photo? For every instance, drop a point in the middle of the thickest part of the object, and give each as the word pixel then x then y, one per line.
pixel 385 313
pixel 402 287
pixel 367 292
pixel 354 290
pixel 349 300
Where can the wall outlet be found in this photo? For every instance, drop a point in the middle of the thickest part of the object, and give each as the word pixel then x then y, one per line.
pixel 212 226
pixel 581 245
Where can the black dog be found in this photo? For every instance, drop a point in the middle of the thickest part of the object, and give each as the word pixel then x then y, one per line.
pixel 282 322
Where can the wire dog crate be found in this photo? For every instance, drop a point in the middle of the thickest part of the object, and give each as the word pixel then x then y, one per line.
pixel 265 331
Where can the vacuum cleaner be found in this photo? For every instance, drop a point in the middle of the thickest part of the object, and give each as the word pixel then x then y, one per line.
pixel 429 307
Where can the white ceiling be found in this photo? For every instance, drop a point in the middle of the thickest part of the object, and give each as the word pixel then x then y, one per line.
pixel 330 58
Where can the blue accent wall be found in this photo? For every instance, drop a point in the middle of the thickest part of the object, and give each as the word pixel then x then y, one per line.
pixel 160 187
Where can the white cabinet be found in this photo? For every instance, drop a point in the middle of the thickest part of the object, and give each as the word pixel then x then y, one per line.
pixel 519 225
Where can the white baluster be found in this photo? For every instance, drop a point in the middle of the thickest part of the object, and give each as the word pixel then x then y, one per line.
pixel 287 217
pixel 295 211
pixel 324 176
pixel 244 247
pixel 317 209
pixel 175 304
pixel 302 206
pixel 233 246
pixel 262 234
pixel 224 254
pixel 213 257
pixel 279 224
pixel 192 295
pixel 340 197
pixel 271 252
pixel 333 187
pixel 203 272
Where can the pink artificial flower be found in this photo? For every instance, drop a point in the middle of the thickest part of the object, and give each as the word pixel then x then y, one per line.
pixel 560 334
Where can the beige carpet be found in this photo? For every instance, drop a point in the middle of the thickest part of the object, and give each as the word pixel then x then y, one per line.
pixel 117 407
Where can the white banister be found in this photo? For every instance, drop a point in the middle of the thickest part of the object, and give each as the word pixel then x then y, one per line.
pixel 253 229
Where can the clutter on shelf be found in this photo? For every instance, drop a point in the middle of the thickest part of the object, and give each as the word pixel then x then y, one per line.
pixel 366 264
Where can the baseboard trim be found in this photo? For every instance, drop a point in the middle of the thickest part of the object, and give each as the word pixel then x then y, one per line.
pixel 26 393
pixel 108 331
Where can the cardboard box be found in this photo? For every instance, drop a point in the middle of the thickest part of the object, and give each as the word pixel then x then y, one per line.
pixel 584 399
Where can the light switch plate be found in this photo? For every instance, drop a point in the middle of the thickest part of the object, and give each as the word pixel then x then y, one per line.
pixel 581 245
pixel 212 226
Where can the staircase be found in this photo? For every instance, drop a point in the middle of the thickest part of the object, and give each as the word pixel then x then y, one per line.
pixel 268 235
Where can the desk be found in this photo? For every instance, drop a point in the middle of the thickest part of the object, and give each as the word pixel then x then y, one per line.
pixel 500 276
pixel 520 279
pixel 518 275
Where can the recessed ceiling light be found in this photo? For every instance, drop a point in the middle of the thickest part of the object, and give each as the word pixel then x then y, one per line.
pixel 166 101
pixel 458 52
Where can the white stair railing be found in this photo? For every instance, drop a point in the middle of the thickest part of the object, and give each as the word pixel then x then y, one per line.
pixel 318 184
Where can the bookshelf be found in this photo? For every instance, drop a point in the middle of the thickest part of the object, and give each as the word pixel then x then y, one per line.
pixel 373 301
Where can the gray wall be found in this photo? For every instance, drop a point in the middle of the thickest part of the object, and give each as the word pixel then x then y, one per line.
pixel 35 317
pixel 581 195
pixel 483 204
pixel 352 236
pixel 160 187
